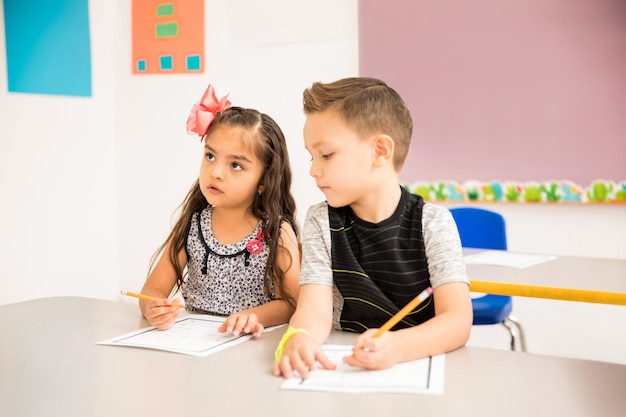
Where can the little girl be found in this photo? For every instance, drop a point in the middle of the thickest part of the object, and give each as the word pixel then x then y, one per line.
pixel 234 250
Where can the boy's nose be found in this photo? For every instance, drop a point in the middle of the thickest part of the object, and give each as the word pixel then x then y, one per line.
pixel 313 170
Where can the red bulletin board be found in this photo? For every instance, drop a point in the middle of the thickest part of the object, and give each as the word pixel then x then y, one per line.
pixel 167 36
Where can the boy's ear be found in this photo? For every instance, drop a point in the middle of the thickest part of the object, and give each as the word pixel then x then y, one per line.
pixel 383 150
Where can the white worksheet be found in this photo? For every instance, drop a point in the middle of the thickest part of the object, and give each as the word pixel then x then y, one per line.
pixel 504 258
pixel 422 376
pixel 192 334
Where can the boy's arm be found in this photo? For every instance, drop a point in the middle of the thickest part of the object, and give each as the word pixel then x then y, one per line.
pixel 315 303
pixel 448 330
pixel 315 311
pixel 302 350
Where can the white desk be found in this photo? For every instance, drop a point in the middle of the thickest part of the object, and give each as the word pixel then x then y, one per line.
pixel 51 366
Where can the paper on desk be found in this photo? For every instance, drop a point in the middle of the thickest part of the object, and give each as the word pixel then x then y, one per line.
pixel 423 376
pixel 504 258
pixel 192 334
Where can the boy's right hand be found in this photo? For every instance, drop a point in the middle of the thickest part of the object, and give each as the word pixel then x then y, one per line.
pixel 301 353
pixel 161 314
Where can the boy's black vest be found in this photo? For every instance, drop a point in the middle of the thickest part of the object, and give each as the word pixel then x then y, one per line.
pixel 379 268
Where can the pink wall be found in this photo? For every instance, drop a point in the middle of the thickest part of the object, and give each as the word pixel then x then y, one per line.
pixel 505 90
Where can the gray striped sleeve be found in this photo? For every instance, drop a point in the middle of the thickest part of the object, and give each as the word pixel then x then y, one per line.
pixel 316 263
pixel 443 246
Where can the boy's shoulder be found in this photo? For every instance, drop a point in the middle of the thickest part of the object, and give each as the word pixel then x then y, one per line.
pixel 318 209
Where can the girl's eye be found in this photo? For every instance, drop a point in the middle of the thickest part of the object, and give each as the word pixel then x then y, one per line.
pixel 236 166
pixel 209 156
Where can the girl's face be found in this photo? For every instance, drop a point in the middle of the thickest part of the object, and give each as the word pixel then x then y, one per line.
pixel 230 172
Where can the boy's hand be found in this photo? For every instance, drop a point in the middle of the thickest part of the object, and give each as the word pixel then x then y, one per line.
pixel 371 352
pixel 301 353
pixel 160 313
pixel 242 322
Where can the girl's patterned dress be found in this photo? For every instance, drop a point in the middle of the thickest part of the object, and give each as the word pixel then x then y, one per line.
pixel 223 279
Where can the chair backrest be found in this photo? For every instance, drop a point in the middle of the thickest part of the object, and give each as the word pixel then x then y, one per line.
pixel 480 228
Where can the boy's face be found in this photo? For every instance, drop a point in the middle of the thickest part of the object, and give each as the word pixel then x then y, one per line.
pixel 341 161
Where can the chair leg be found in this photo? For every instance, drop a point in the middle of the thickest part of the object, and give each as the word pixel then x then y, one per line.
pixel 522 337
pixel 515 329
pixel 512 331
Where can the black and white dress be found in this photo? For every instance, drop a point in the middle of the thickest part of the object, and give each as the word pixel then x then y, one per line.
pixel 223 279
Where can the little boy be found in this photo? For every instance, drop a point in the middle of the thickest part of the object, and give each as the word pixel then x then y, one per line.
pixel 372 246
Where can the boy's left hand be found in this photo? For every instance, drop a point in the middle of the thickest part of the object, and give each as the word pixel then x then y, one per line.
pixel 371 352
pixel 242 322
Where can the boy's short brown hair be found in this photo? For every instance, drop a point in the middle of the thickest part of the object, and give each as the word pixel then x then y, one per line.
pixel 367 105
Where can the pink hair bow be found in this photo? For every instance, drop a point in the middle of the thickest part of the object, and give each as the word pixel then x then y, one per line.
pixel 204 112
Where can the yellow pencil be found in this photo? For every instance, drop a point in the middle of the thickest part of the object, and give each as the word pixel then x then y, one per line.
pixel 147 297
pixel 404 311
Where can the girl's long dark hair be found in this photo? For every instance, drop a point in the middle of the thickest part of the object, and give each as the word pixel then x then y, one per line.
pixel 275 205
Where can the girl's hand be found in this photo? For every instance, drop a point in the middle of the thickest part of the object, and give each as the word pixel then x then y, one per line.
pixel 301 353
pixel 242 322
pixel 371 352
pixel 160 313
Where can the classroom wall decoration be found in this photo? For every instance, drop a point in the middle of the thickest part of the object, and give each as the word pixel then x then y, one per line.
pixel 168 36
pixel 599 191
pixel 48 47
pixel 525 92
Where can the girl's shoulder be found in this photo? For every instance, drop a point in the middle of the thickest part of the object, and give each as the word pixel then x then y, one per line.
pixel 203 215
pixel 288 238
pixel 287 229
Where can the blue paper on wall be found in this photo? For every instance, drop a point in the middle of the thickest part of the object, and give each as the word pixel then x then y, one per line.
pixel 48 47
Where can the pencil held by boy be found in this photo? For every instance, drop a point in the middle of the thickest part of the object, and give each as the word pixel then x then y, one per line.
pixel 234 250
pixel 372 246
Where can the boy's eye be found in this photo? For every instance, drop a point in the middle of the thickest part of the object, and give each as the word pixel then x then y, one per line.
pixel 327 155
pixel 209 156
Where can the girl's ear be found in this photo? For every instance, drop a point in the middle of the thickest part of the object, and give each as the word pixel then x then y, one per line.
pixel 383 150
pixel 260 189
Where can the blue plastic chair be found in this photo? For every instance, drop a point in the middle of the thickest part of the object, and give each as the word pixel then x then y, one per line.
pixel 485 229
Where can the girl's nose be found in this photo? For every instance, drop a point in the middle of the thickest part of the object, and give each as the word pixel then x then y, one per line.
pixel 217 172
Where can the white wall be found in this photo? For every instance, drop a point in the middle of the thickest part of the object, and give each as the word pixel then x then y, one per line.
pixel 593 230
pixel 58 216
pixel 89 185
pixel 157 161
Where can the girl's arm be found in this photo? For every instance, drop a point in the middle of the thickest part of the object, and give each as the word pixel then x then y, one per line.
pixel 276 311
pixel 160 283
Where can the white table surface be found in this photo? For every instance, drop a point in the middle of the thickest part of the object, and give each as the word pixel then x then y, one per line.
pixel 51 366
